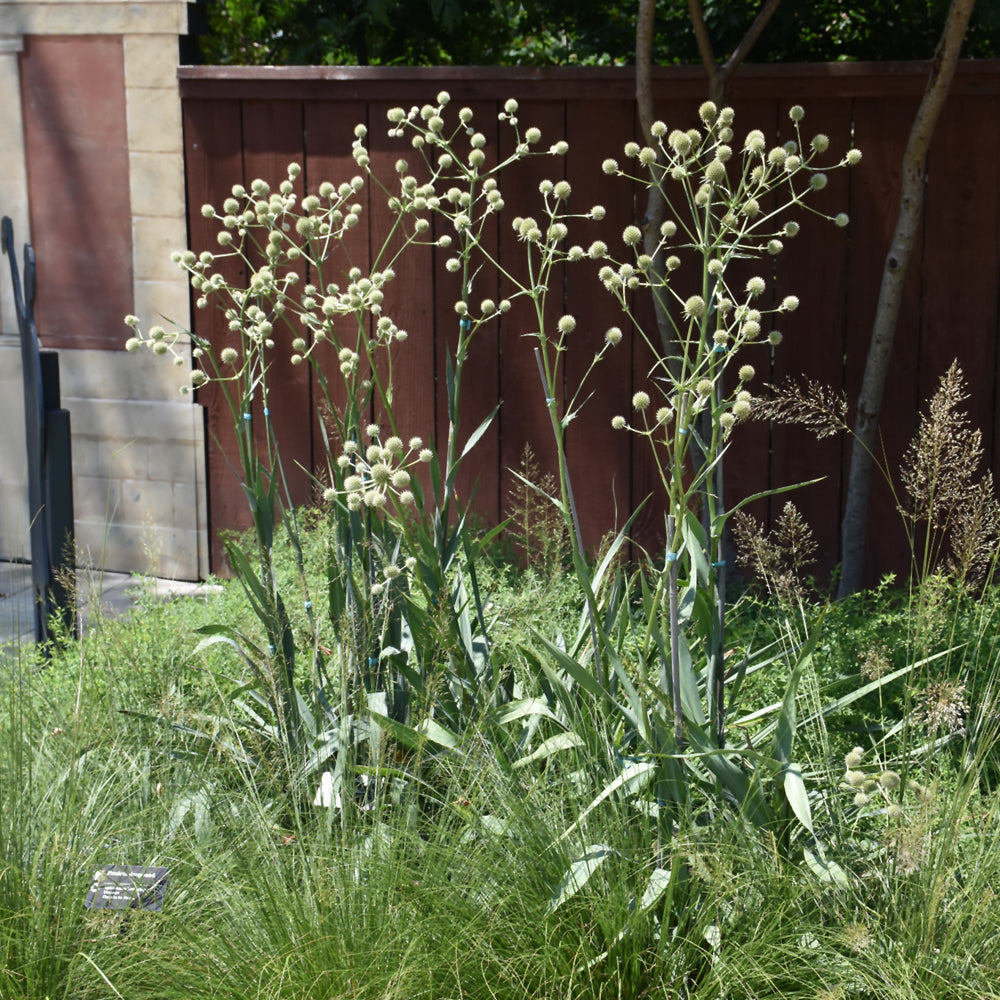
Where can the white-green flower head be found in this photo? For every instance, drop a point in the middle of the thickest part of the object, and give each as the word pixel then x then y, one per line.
pixel 790 303
pixel 133 344
pixel 751 208
pixel 372 430
pixel 708 112
pixel 726 421
pixel 610 166
pixel 640 401
pixel 597 250
pixel 672 262
pixel 632 235
pixel 715 172
pixel 842 219
pixel 207 211
pixel 679 142
pixel 774 247
pixel 566 324
pixel 853 157
pixel 742 409
pixel 777 156
pixel 860 800
pixel 750 329
pixel 720 337
pixel 658 129
pixel 668 229
pixel 774 338
pixel 889 780
pixel 664 415
pixel 533 135
pixel 465 115
pixel 703 195
pixel 755 142
pixel 562 190
pixel 820 143
pixel 425 455
pixel 647 156
pixel 792 163
pixel 487 307
pixel 619 423
pixel 510 106
pixel 694 307
pixel 817 182
pixel 747 373
pixel 756 286
pixel 791 229
pixel 796 112
pixel 229 356
pixel 613 335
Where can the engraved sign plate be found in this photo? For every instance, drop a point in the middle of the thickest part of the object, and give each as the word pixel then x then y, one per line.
pixel 125 887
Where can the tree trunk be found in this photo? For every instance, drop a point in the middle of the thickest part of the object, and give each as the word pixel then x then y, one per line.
pixel 891 293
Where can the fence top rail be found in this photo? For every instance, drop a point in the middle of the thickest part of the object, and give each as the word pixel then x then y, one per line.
pixel 841 79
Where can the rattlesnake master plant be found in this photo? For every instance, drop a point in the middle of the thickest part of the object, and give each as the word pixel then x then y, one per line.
pixel 409 636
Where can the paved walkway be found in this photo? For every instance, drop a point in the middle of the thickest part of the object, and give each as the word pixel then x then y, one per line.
pixel 117 593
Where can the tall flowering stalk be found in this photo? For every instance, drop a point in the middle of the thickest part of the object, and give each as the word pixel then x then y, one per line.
pixel 722 205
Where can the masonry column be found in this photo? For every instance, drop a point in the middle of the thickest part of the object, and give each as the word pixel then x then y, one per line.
pixel 13 202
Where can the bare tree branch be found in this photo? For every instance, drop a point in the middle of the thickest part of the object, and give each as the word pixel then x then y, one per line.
pixel 891 294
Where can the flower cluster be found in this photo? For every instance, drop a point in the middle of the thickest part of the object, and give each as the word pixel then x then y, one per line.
pixel 882 783
pixel 378 473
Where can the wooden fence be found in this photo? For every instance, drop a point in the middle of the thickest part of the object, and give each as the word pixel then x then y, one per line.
pixel 245 123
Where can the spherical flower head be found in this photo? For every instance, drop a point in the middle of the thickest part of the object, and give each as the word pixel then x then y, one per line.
pixel 790 303
pixel 841 220
pixel 755 141
pixel 854 778
pixel 619 423
pixel 750 329
pixel 704 387
pixel 372 430
pixel 631 150
pixel 694 307
pixel 394 445
pixel 747 373
pixel 796 112
pixel 860 799
pixel 679 142
pixel 895 811
pixel 777 156
pixel 613 335
pixel 632 235
pixel 597 250
pixel 532 136
pixel 228 356
pixel 610 166
pixel 401 479
pixel 207 211
pixel 566 324
pixel 853 157
pixel 774 338
pixel 774 247
pixel 889 780
pixel 820 143
pixel 741 409
pixel 791 229
pixel 133 344
pixel 647 156
pixel 598 212
pixel 425 455
pixel 817 182
pixel 668 229
pixel 562 190
pixel 708 112
pixel 715 171
pixel 640 401
pixel 751 208
pixel 510 106
pixel 756 286
pixel 715 267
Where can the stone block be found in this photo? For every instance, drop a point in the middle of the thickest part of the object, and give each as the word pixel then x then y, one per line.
pixel 97 498
pixel 126 548
pixel 155 240
pixel 164 303
pixel 157 182
pixel 150 61
pixel 154 120
pixel 146 502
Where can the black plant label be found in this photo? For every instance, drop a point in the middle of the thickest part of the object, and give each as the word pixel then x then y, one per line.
pixel 128 887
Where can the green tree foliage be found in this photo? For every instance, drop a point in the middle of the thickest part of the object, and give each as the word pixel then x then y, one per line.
pixel 586 32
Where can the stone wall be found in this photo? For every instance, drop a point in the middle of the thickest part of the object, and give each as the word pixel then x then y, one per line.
pixel 91 172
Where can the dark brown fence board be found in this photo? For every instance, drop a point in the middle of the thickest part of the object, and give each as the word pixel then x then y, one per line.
pixel 951 301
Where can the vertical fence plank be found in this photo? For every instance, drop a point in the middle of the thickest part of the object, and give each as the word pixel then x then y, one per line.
pixel 213 153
